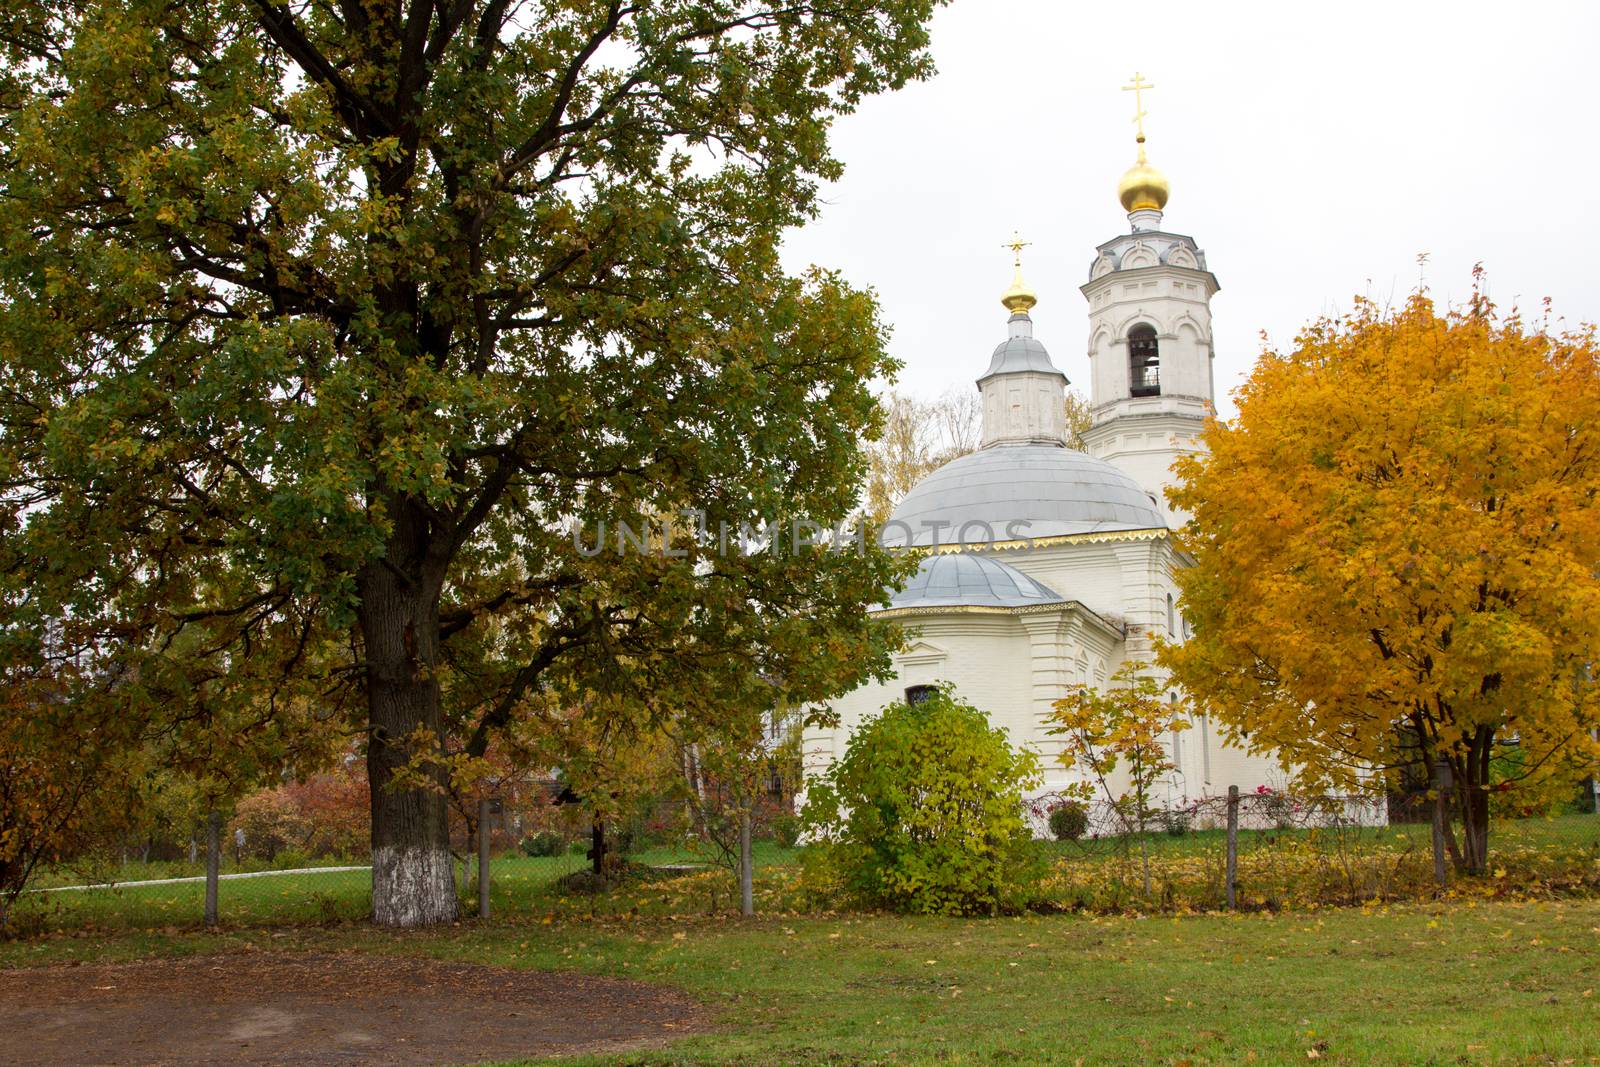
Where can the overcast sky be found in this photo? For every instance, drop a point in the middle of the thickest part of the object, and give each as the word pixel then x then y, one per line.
pixel 1313 149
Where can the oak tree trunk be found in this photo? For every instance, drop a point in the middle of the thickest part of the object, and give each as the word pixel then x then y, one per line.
pixel 413 880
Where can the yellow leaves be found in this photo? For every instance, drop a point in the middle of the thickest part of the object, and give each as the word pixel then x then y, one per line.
pixel 1392 526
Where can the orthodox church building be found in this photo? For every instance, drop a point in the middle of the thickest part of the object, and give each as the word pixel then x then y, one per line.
pixel 1046 566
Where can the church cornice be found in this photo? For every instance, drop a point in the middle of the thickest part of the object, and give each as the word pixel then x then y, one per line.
pixel 1114 630
pixel 1093 537
pixel 1133 273
pixel 1152 416
pixel 1100 536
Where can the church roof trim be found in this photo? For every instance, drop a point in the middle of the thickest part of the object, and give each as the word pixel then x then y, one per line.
pixel 1094 537
pixel 1113 630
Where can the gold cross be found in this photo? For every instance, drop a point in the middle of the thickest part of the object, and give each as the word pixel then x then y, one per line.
pixel 1016 244
pixel 1138 86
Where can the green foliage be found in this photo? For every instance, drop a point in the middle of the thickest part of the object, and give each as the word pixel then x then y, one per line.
pixel 322 328
pixel 1117 738
pixel 1176 822
pixel 924 811
pixel 786 830
pixel 544 843
pixel 1069 820
pixel 1396 557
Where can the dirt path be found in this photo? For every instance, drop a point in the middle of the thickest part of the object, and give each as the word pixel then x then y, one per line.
pixel 347 1009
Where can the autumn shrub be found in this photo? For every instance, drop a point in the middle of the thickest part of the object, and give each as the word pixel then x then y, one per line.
pixel 1176 821
pixel 65 787
pixel 544 843
pixel 270 822
pixel 1069 820
pixel 924 812
pixel 786 830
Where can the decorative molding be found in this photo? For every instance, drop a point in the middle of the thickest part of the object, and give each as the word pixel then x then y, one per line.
pixel 1095 538
pixel 1060 607
pixel 921 653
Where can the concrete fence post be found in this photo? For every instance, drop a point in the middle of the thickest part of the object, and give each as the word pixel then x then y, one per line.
pixel 213 863
pixel 1233 847
pixel 483 857
pixel 1441 793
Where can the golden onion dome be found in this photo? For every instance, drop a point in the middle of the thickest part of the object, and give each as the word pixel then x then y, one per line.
pixel 1019 297
pixel 1143 187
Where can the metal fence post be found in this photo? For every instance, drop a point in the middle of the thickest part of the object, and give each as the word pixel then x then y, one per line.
pixel 1233 846
pixel 1441 788
pixel 213 863
pixel 483 857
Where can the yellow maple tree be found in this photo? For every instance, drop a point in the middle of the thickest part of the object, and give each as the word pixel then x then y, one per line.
pixel 1396 546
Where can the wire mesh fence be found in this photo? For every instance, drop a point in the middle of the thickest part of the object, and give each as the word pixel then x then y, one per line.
pixel 1269 849
pixel 1252 850
pixel 235 874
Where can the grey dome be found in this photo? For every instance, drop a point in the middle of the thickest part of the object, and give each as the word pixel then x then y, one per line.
pixel 1017 354
pixel 1044 490
pixel 962 580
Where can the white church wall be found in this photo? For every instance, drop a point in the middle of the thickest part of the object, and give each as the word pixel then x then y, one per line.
pixel 1085 571
pixel 984 656
pixel 1023 406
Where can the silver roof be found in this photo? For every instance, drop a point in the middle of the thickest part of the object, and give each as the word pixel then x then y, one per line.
pixel 1014 492
pixel 1020 352
pixel 962 580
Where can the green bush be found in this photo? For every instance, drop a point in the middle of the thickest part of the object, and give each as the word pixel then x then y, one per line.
pixel 924 812
pixel 1069 820
pixel 786 830
pixel 544 843
pixel 1175 822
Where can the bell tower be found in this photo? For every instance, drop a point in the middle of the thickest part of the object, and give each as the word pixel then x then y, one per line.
pixel 1150 355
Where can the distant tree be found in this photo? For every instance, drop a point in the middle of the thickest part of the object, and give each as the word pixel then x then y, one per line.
pixel 1396 552
pixel 1078 419
pixel 920 436
pixel 322 327
pixel 60 791
pixel 907 452
pixel 1119 740
pixel 613 764
pixel 727 774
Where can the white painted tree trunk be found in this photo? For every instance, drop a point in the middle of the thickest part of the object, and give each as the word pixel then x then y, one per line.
pixel 413 886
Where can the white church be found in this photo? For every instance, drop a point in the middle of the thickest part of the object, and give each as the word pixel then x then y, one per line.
pixel 1047 566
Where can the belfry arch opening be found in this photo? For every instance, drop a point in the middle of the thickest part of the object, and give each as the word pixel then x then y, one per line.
pixel 1144 361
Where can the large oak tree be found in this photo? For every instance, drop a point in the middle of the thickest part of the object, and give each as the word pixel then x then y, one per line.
pixel 324 324
pixel 1397 556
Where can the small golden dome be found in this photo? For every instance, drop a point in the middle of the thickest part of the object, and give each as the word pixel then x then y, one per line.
pixel 1019 298
pixel 1143 187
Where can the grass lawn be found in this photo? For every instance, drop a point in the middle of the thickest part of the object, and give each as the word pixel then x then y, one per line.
pixel 1458 984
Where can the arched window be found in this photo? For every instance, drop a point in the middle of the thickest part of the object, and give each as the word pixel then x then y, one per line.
pixel 916 694
pixel 1172 624
pixel 1144 361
